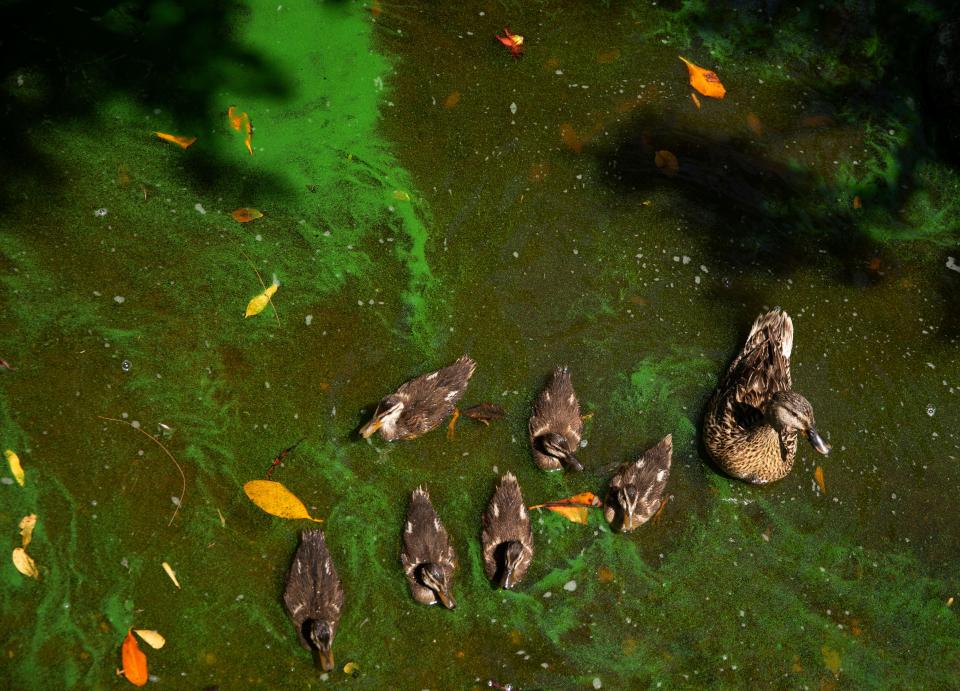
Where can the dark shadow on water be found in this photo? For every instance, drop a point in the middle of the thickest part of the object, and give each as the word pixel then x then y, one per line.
pixel 61 62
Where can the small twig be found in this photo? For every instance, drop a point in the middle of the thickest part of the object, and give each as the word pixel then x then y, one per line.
pixel 183 478
pixel 259 278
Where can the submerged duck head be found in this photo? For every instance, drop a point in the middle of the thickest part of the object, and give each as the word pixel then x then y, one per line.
pixel 790 413
pixel 555 446
pixel 513 557
pixel 320 635
pixel 386 416
pixel 435 578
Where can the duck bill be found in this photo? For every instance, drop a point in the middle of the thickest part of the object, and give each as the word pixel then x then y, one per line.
pixel 371 427
pixel 573 463
pixel 326 659
pixel 818 442
pixel 446 599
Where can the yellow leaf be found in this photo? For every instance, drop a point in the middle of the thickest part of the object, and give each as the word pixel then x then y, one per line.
pixel 696 101
pixel 277 500
pixel 572 508
pixel 245 215
pixel 704 81
pixel 182 142
pixel 257 304
pixel 223 521
pixel 134 661
pixel 577 514
pixel 14 461
pixel 818 476
pixel 831 659
pixel 171 573
pixel 26 528
pixel 351 668
pixel 400 195
pixel 152 638
pixel 25 563
pixel 666 162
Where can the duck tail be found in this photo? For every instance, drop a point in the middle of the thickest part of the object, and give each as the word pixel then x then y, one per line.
pixel 775 326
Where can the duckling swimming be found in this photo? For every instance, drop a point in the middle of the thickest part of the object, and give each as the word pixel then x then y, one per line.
pixel 555 426
pixel 427 556
pixel 422 403
pixel 314 596
pixel 507 539
pixel 753 419
pixel 637 488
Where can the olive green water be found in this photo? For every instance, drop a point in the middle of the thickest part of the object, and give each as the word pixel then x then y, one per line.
pixel 522 221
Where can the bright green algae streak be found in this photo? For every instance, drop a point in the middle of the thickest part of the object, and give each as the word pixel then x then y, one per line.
pixel 734 586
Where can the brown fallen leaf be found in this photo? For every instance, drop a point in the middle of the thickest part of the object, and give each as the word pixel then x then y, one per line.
pixel 753 122
pixel 857 204
pixel 605 575
pixel 818 476
pixel 704 81
pixel 666 162
pixel 569 137
pixel 25 563
pixel 152 638
pixel 608 56
pixel 245 215
pixel 485 412
pixel 277 500
pixel 452 99
pixel 27 524
pixel 182 142
pixel 696 101
pixel 831 659
pixel 573 508
pixel 134 661
pixel 171 573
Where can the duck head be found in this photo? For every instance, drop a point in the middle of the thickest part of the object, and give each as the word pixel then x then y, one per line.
pixel 513 557
pixel 790 413
pixel 555 446
pixel 321 638
pixel 435 578
pixel 386 416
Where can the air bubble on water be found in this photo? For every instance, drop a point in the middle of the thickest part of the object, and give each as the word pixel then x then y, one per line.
pixel 931 409
pixel 126 365
pixel 100 213
pixel 513 108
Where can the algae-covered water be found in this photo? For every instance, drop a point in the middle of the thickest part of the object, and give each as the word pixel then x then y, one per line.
pixel 426 195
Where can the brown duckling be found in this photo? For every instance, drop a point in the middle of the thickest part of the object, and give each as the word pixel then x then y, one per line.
pixel 427 556
pixel 507 539
pixel 422 403
pixel 753 419
pixel 555 425
pixel 314 596
pixel 637 488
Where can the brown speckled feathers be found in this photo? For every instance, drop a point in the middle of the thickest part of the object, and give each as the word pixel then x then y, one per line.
pixel 506 519
pixel 313 586
pixel 425 540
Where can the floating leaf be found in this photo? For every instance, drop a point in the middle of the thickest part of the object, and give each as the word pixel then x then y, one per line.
pixel 605 575
pixel 134 661
pixel 704 81
pixel 401 196
pixel 25 563
pixel 569 137
pixel 182 142
pixel 15 468
pixel 236 120
pixel 152 638
pixel 171 573
pixel 696 101
pixel 573 508
pixel 663 505
pixel 818 476
pixel 485 412
pixel 666 162
pixel 248 137
pixel 351 668
pixel 245 215
pixel 831 659
pixel 27 524
pixel 223 521
pixel 753 122
pixel 608 56
pixel 277 500
pixel 452 99
pixel 857 204
pixel 258 303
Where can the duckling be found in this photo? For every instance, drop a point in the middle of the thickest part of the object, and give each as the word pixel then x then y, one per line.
pixel 314 596
pixel 427 556
pixel 555 426
pixel 753 419
pixel 422 403
pixel 636 490
pixel 507 540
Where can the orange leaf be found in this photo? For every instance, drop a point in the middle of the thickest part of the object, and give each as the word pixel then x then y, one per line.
pixel 236 121
pixel 182 142
pixel 134 661
pixel 857 204
pixel 245 215
pixel 753 122
pixel 248 140
pixel 568 136
pixel 577 514
pixel 704 81
pixel 452 99
pixel 818 476
pixel 573 508
pixel 696 101
pixel 667 162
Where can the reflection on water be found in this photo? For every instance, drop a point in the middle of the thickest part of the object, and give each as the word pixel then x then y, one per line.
pixel 425 195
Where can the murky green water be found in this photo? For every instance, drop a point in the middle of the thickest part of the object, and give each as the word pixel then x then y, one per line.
pixel 425 195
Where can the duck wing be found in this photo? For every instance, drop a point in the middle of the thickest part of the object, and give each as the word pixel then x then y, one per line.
pixel 649 474
pixel 763 366
pixel 557 409
pixel 438 392
pixel 313 587
pixel 506 519
pixel 424 537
